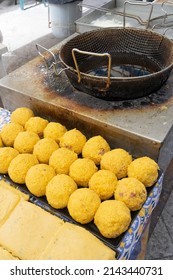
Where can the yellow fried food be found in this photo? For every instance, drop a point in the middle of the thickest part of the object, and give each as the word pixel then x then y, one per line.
pixel 5 255
pixel 103 182
pixel 145 170
pixel 6 156
pixel 37 125
pixel 37 178
pixel 72 242
pixel 11 191
pixel 25 141
pixel 117 161
pixel 44 148
pixel 83 204
pixel 28 230
pixel 95 148
pixel 61 160
pixel 9 198
pixel 1 144
pixel 73 140
pixel 112 218
pixel 9 132
pixel 132 192
pixel 54 131
pixel 19 166
pixel 59 189
pixel 81 170
pixel 21 115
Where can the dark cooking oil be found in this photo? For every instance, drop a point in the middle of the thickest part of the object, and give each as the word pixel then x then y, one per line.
pixel 121 71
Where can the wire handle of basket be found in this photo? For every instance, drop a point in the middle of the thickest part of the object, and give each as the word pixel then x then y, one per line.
pixel 166 13
pixel 164 4
pixel 108 82
pixel 137 3
pixel 116 12
pixel 54 63
pixel 159 26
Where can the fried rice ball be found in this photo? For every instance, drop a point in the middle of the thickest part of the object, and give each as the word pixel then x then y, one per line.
pixel 103 182
pixel 54 131
pixel 37 125
pixel 6 156
pixel 9 132
pixel 117 161
pixel 61 160
pixel 19 166
pixel 81 170
pixel 95 148
pixel 37 178
pixel 145 170
pixel 73 140
pixel 21 115
pixel 112 218
pixel 132 192
pixel 44 148
pixel 83 204
pixel 25 141
pixel 59 189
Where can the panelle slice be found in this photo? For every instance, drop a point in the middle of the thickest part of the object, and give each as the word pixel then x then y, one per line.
pixel 28 230
pixel 73 242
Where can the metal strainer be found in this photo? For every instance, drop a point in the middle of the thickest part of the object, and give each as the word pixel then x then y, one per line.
pixel 118 63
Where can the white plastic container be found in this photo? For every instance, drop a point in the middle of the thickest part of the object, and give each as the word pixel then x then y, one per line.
pixel 62 18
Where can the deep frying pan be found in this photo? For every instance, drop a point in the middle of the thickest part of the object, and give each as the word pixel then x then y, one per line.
pixel 118 63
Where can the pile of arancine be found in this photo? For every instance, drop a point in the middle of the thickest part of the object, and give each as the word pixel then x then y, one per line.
pixel 96 183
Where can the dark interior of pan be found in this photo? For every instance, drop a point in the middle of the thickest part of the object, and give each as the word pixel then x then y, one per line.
pixel 141 61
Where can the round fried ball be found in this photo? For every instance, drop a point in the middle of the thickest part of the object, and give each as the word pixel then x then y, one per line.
pixel 73 140
pixel 25 141
pixel 54 131
pixel 117 161
pixel 44 148
pixel 145 170
pixel 21 115
pixel 9 132
pixel 37 125
pixel 83 204
pixel 112 218
pixel 19 166
pixel 132 192
pixel 37 178
pixel 103 182
pixel 59 190
pixel 6 156
pixel 95 148
pixel 81 170
pixel 61 160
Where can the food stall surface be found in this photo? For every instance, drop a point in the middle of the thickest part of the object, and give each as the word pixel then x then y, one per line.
pixel 151 129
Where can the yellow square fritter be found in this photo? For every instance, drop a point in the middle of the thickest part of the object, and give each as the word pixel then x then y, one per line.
pixel 73 242
pixel 5 255
pixel 28 230
pixel 9 198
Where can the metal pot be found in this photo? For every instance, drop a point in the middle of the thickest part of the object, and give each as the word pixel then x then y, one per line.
pixel 118 63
